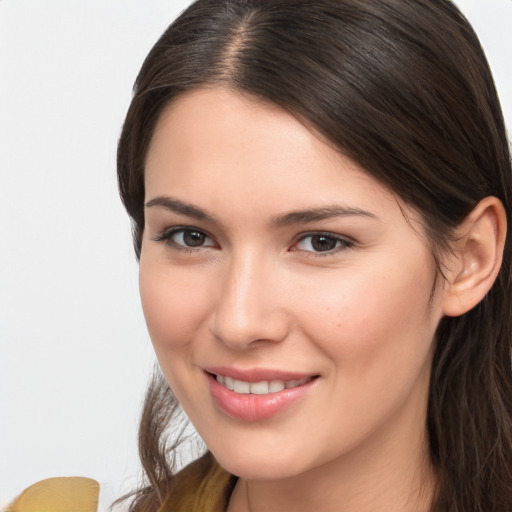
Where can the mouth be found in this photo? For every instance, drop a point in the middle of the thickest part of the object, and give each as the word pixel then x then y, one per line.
pixel 262 387
pixel 258 394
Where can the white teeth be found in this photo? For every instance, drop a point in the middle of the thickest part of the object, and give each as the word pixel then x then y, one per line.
pixel 259 388
pixel 242 387
pixel 295 383
pixel 276 385
pixel 229 383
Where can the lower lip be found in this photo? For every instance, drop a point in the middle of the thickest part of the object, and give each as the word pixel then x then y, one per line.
pixel 255 407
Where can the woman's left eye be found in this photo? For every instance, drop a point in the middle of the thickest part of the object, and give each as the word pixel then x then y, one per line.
pixel 321 243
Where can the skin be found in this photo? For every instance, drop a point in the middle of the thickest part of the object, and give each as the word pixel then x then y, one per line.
pixel 257 294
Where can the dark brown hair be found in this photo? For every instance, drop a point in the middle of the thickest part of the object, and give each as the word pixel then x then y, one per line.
pixel 404 89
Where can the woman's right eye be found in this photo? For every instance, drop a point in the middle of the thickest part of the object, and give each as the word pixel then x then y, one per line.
pixel 186 238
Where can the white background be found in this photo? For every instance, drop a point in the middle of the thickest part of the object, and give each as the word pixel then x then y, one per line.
pixel 74 354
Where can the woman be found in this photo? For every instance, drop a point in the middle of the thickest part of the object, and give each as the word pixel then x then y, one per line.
pixel 320 193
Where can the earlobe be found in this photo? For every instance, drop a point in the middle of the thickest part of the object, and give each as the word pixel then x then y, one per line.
pixel 478 256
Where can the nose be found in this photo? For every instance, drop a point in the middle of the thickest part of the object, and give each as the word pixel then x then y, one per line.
pixel 250 308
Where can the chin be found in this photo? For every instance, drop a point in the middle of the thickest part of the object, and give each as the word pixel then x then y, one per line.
pixel 254 463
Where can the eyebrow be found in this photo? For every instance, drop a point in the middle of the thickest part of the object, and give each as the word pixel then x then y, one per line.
pixel 322 213
pixel 180 207
pixel 290 218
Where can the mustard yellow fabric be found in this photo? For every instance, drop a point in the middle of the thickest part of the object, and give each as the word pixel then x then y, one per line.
pixel 202 486
pixel 65 494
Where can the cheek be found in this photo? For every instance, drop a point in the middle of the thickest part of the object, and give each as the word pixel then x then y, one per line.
pixel 174 303
pixel 376 335
pixel 374 325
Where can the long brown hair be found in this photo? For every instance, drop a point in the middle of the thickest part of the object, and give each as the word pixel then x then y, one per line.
pixel 404 89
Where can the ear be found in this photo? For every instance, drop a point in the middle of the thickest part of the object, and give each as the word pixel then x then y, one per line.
pixel 477 257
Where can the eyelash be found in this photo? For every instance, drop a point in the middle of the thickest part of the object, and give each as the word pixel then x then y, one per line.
pixel 341 244
pixel 166 237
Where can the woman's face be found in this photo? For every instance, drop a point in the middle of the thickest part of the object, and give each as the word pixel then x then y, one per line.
pixel 274 262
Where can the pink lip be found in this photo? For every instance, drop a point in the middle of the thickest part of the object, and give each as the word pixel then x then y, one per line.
pixel 255 407
pixel 255 374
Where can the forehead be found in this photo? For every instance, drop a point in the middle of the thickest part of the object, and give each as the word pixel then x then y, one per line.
pixel 216 124
pixel 215 146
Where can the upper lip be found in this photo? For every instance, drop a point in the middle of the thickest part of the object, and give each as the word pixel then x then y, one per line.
pixel 257 374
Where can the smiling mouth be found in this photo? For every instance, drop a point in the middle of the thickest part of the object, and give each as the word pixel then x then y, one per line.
pixel 262 395
pixel 263 387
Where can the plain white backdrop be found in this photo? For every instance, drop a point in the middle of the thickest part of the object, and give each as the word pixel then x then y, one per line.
pixel 74 353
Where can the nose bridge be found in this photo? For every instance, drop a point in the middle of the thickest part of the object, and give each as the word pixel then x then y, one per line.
pixel 248 308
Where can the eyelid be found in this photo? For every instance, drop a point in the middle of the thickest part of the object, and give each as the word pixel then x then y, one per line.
pixel 346 243
pixel 166 235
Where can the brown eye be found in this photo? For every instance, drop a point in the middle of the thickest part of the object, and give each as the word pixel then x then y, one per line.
pixel 322 243
pixel 186 238
pixel 193 238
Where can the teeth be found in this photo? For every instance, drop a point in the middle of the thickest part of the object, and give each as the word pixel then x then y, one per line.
pixel 276 385
pixel 229 383
pixel 242 387
pixel 259 388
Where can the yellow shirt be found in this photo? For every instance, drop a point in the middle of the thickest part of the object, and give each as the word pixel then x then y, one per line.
pixel 202 486
pixel 65 494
